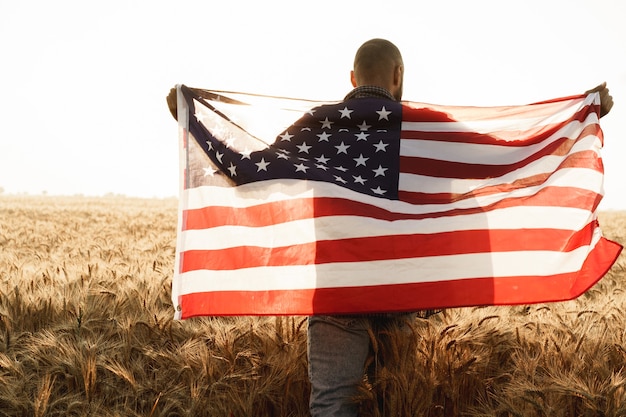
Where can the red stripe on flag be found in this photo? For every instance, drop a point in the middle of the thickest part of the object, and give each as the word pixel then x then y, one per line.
pixel 377 248
pixel 501 138
pixel 547 196
pixel 257 216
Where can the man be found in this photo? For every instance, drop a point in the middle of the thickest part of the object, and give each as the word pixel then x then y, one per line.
pixel 338 346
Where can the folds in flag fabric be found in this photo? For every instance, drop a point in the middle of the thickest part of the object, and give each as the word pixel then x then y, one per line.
pixel 293 207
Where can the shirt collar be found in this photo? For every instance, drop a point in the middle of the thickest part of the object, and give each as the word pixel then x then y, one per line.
pixel 370 91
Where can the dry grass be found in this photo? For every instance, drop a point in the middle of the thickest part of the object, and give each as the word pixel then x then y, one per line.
pixel 86 329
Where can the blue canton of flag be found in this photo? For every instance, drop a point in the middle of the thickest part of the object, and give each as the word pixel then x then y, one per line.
pixel 354 144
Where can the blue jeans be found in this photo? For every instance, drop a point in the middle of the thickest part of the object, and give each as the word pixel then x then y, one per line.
pixel 337 348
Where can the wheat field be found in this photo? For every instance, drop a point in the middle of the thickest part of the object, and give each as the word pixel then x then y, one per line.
pixel 87 329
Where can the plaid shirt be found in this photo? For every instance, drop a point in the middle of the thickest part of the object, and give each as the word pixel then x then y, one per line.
pixel 369 91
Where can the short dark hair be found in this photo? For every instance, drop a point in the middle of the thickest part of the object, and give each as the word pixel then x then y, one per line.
pixel 376 58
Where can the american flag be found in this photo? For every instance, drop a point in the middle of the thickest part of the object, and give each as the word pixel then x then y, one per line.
pixel 370 205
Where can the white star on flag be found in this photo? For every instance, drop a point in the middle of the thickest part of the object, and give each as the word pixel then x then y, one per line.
pixel 326 124
pixel 383 114
pixel 323 137
pixel 380 146
pixel 301 167
pixel 380 171
pixel 342 148
pixel 345 112
pixel 303 147
pixel 262 165
pixel 364 126
pixel 360 160
pixel 322 159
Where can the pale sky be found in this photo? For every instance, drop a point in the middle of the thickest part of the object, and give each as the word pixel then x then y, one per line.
pixel 84 83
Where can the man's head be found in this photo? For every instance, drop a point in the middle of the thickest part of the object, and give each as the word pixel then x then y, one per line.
pixel 378 62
